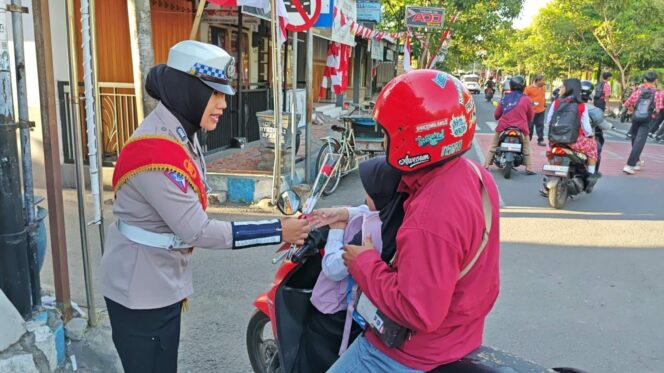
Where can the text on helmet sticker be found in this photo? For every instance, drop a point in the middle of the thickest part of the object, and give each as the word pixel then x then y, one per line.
pixel 413 161
pixel 431 125
pixel 470 105
pixel 459 126
pixel 432 139
pixel 441 79
pixel 451 149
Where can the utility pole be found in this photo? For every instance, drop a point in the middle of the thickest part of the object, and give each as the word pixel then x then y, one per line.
pixel 142 53
pixel 56 220
pixel 14 276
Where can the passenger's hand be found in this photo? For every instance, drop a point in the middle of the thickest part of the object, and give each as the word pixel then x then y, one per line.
pixel 352 251
pixel 323 217
pixel 294 230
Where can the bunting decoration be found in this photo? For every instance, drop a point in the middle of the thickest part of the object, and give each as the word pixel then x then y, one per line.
pixel 336 69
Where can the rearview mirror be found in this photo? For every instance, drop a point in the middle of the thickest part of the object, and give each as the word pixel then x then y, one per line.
pixel 289 203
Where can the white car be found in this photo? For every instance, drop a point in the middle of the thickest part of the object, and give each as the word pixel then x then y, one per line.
pixel 471 82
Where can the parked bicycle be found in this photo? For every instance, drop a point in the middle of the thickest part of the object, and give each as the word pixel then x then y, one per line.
pixel 351 146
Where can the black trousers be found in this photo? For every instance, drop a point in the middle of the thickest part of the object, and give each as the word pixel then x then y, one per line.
pixel 319 347
pixel 639 132
pixel 656 125
pixel 146 340
pixel 538 124
pixel 599 139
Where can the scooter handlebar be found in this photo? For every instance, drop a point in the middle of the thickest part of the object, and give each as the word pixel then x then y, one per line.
pixel 315 241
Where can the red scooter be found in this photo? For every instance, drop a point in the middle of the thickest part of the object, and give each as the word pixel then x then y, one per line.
pixel 275 329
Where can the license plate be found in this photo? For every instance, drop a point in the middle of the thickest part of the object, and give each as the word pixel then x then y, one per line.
pixel 555 168
pixel 510 147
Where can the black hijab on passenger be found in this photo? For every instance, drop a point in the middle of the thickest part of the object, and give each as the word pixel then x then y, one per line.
pixel 572 90
pixel 183 95
pixel 380 181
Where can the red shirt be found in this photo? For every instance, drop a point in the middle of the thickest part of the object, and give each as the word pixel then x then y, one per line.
pixel 441 231
pixel 659 97
pixel 518 117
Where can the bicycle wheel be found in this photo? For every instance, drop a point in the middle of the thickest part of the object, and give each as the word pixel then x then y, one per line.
pixel 330 148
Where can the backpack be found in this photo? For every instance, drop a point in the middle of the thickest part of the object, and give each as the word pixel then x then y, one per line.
pixel 644 105
pixel 565 123
pixel 599 90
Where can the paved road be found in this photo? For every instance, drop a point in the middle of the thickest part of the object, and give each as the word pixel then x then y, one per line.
pixel 580 287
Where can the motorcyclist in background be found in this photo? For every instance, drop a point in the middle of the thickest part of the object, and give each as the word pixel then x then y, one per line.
pixel 597 119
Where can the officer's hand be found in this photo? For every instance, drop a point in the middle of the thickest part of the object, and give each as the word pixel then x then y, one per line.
pixel 294 230
pixel 351 252
pixel 323 217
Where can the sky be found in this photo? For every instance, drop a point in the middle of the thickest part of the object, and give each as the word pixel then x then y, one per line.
pixel 530 9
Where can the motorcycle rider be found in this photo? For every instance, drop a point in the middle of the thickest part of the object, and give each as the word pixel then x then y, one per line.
pixel 514 110
pixel 490 84
pixel 328 329
pixel 597 119
pixel 570 92
pixel 444 278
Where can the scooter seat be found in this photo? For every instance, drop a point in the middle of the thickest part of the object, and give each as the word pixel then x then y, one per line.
pixel 490 360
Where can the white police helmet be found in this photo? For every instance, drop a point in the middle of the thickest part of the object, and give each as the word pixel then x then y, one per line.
pixel 209 63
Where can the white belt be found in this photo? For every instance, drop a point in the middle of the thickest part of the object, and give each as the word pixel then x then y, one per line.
pixel 168 241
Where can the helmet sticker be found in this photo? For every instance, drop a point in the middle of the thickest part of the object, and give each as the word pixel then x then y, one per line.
pixel 473 118
pixel 459 88
pixel 451 149
pixel 416 160
pixel 470 105
pixel 431 125
pixel 441 79
pixel 431 139
pixel 459 126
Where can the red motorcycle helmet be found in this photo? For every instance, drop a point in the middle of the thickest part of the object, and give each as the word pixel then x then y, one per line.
pixel 428 117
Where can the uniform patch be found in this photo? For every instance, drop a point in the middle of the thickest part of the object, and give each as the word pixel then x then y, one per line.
pixel 459 126
pixel 431 139
pixel 182 133
pixel 451 149
pixel 441 79
pixel 178 179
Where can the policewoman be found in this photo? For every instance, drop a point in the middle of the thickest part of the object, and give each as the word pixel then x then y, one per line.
pixel 160 201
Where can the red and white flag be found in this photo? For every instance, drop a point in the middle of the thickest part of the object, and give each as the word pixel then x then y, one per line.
pixel 336 69
pixel 265 5
pixel 406 54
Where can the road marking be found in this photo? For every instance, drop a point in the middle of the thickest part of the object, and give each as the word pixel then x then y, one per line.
pixel 492 125
pixel 481 158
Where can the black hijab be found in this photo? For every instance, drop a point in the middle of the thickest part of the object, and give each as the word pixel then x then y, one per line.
pixel 380 181
pixel 572 90
pixel 183 95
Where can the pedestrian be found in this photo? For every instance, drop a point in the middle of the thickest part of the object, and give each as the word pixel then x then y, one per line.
pixel 432 300
pixel 537 94
pixel 646 105
pixel 603 93
pixel 515 110
pixel 160 200
pixel 657 124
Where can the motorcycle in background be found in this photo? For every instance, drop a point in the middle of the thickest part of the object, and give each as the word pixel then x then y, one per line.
pixel 509 153
pixel 488 93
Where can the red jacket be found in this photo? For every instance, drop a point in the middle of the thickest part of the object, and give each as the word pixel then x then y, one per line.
pixel 519 117
pixel 441 231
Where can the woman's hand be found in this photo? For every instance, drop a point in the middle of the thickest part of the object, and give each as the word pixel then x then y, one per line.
pixel 351 252
pixel 294 230
pixel 328 216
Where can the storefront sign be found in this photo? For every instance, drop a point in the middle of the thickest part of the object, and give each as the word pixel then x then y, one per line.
pixel 346 15
pixel 326 18
pixel 368 10
pixel 302 14
pixel 377 50
pixel 425 17
pixel 217 15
